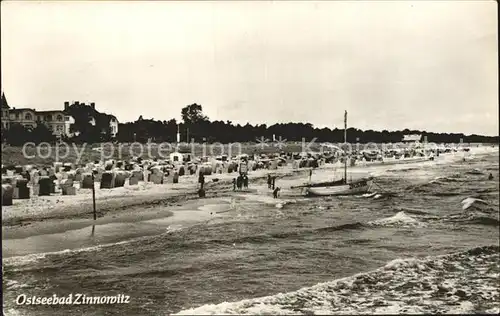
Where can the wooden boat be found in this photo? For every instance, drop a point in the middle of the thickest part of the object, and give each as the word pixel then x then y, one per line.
pixel 319 184
pixel 358 187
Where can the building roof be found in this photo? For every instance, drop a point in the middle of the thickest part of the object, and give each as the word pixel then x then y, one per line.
pixel 5 105
pixel 14 110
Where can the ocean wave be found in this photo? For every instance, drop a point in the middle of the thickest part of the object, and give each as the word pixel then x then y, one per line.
pixel 368 195
pixel 362 241
pixel 263 238
pixel 349 226
pixel 24 260
pixel 13 285
pixel 377 195
pixel 445 193
pixel 401 286
pixel 445 179
pixel 475 171
pixel 401 219
pixel 436 183
pixel 414 211
pixel 471 202
pixel 12 312
pixel 20 261
pixel 423 187
pixel 408 169
pixel 485 220
pixel 474 218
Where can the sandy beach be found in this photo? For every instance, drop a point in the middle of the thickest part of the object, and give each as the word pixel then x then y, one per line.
pixel 118 199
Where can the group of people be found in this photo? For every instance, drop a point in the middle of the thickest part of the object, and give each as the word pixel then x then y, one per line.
pixel 240 182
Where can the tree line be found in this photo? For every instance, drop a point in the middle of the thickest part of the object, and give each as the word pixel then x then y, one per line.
pixel 197 127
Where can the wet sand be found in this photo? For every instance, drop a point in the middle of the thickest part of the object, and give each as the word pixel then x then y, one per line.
pixel 59 235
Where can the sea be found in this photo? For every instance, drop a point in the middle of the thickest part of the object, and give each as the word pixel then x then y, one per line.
pixel 426 241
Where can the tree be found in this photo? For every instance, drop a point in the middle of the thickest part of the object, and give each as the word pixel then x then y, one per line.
pixel 41 133
pixel 196 122
pixel 193 114
pixel 17 135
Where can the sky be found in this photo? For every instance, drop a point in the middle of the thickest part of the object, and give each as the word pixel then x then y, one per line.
pixel 426 65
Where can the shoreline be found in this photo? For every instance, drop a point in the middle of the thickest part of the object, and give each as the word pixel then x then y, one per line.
pixel 130 203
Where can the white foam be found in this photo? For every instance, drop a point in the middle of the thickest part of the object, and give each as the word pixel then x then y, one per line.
pixel 400 219
pixel 12 312
pixel 174 228
pixel 12 284
pixel 494 310
pixel 367 293
pixel 28 259
pixel 464 308
pixel 468 202
pixel 475 171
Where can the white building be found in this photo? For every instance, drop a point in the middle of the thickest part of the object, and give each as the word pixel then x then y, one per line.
pixel 68 121
pixel 113 124
pixel 414 138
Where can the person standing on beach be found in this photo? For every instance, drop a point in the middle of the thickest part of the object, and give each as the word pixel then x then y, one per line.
pixel 269 181
pixel 234 184
pixel 201 180
pixel 245 181
pixel 239 182
pixel 201 193
pixel 276 192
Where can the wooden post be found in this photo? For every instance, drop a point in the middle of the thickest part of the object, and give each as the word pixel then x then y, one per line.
pixel 93 196
pixel 345 143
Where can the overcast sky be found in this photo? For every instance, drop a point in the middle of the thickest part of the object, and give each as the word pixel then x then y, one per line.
pixel 424 65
